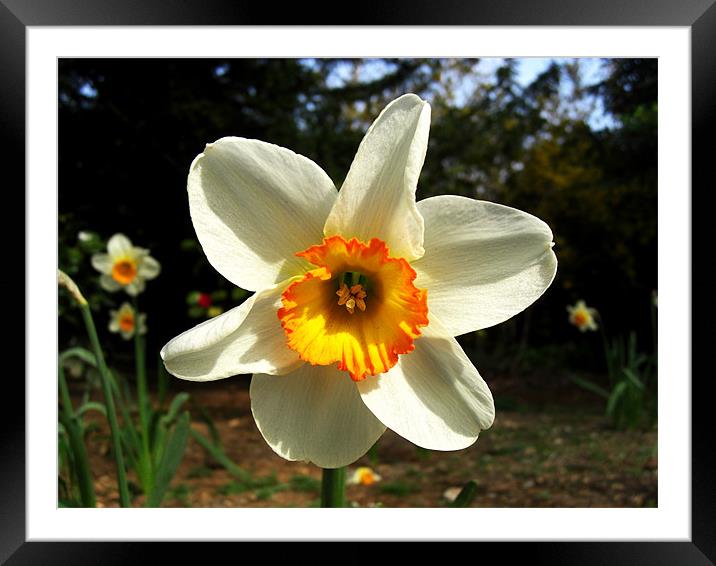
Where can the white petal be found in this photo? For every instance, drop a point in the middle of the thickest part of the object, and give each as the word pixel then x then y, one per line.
pixel 109 284
pixel 314 414
pixel 377 199
pixel 434 397
pixel 102 263
pixel 135 287
pixel 119 245
pixel 254 205
pixel 149 268
pixel 246 339
pixel 483 262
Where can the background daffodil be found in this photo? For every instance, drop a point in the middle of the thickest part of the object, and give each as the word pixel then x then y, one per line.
pixel 364 476
pixel 582 316
pixel 126 322
pixel 125 266
pixel 358 294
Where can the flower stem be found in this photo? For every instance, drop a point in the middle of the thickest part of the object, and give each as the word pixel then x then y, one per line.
pixel 333 493
pixel 143 401
pixel 109 401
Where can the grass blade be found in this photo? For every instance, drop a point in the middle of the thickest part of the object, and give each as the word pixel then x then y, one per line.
pixel 171 459
pixel 218 455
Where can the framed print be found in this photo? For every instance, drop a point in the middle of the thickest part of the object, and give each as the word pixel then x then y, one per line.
pixel 545 126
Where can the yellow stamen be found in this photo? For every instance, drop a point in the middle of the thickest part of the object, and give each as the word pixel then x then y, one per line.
pixel 352 298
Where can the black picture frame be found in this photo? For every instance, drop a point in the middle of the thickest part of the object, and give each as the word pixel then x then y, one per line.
pixel 698 15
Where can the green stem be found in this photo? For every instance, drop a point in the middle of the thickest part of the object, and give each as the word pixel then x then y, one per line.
pixel 109 401
pixel 74 432
pixel 143 401
pixel 142 396
pixel 333 493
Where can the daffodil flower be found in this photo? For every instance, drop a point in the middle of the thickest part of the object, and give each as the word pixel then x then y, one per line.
pixel 364 476
pixel 126 322
pixel 582 316
pixel 125 266
pixel 358 294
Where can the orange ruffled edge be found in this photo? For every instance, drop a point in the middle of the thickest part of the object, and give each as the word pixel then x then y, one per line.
pixel 364 343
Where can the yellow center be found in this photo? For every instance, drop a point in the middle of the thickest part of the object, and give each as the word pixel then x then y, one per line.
pixel 366 477
pixel 323 330
pixel 581 318
pixel 126 322
pixel 124 271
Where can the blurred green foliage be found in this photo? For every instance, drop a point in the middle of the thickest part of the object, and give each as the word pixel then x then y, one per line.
pixel 130 128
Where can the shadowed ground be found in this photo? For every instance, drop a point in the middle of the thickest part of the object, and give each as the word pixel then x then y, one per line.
pixel 537 454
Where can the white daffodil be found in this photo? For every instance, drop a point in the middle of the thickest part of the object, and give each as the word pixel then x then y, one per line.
pixel 364 476
pixel 582 316
pixel 125 266
pixel 126 322
pixel 358 294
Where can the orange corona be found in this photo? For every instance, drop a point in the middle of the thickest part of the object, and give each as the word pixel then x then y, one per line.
pixel 126 322
pixel 124 271
pixel 376 316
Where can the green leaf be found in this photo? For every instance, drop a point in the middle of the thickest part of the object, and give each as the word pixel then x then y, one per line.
pixel 466 495
pixel 633 379
pixel 81 353
pixel 162 381
pixel 218 455
pixel 92 406
pixel 176 404
pixel 589 386
pixel 614 398
pixel 170 461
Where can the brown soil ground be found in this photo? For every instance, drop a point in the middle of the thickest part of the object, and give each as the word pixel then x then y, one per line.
pixel 534 456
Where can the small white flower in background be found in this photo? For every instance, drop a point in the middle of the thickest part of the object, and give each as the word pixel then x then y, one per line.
pixel 364 476
pixel 125 266
pixel 359 293
pixel 582 316
pixel 126 322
